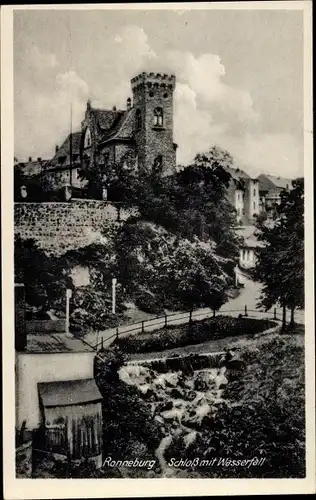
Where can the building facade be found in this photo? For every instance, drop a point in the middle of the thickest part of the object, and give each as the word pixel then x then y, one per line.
pixel 270 187
pixel 143 133
pixel 243 194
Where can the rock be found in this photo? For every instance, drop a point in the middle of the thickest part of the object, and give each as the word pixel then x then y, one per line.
pixel 202 411
pixel 220 379
pixel 175 413
pixel 150 394
pixel 200 385
pixel 159 419
pixel 168 405
pixel 171 379
pixel 175 393
pixel 190 395
pixel 190 438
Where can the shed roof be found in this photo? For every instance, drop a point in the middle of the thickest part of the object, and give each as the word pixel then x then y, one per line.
pixel 55 343
pixel 69 392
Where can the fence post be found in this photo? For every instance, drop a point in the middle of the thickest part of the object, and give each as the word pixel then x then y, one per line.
pixel 274 314
pixel 246 313
pixel 117 332
pixel 213 313
pixel 166 320
pixel 190 317
pixel 102 343
pixel 143 328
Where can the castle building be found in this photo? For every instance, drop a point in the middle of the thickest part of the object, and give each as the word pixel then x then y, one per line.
pixel 144 130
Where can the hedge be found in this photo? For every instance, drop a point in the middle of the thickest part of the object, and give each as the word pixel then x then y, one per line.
pixel 198 332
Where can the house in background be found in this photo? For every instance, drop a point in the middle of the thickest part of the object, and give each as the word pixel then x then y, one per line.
pixel 270 187
pixel 243 194
pixel 31 167
pixel 56 394
pixel 63 169
pixel 247 256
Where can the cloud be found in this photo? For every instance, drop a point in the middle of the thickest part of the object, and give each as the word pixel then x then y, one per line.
pixel 207 110
pixel 277 153
pixel 37 58
pixel 44 117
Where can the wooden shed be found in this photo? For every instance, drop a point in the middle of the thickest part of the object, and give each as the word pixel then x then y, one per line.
pixel 71 419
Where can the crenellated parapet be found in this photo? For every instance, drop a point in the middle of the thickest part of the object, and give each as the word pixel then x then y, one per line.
pixel 162 80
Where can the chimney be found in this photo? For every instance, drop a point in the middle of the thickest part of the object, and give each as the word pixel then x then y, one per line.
pixel 114 108
pixel 56 148
pixel 128 104
pixel 30 158
pixel 39 159
pixel 89 104
pixel 19 308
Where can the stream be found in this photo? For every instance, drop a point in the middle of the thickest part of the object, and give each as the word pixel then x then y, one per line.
pixel 179 402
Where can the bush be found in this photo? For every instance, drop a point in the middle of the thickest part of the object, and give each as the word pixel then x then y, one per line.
pixel 147 302
pixel 198 332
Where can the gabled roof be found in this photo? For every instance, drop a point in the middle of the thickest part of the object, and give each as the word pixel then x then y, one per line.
pixel 236 172
pixel 64 150
pixel 123 128
pixel 280 182
pixel 269 182
pixel 70 392
pixel 106 118
pixel 31 168
pixel 248 233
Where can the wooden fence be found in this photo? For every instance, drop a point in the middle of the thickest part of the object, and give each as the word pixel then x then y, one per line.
pixel 187 317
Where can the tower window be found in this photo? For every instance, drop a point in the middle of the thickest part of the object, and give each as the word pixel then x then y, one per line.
pixel 138 119
pixel 87 139
pixel 157 167
pixel 254 192
pixel 158 117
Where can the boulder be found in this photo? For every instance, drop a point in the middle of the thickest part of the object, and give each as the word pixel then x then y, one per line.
pixel 175 393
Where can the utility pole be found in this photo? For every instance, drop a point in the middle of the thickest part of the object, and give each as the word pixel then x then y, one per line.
pixel 68 297
pixel 114 281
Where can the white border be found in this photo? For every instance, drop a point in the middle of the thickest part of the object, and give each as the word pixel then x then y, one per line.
pixel 113 488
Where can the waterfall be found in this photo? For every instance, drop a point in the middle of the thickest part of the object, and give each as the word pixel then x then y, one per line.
pixel 160 451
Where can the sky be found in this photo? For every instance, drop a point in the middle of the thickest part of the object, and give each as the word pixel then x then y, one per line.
pixel 239 78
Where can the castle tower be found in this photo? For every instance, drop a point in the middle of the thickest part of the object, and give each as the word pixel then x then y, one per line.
pixel 153 122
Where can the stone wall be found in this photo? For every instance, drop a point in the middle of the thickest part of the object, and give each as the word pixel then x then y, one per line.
pixel 58 227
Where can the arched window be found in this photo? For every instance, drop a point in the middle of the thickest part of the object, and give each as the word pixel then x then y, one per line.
pixel 157 166
pixel 138 119
pixel 158 117
pixel 87 139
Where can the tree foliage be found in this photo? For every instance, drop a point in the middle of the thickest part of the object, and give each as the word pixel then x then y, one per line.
pixel 182 249
pixel 45 277
pixel 280 262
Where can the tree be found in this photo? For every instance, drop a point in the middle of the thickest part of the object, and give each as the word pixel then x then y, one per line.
pixel 45 277
pixel 119 178
pixel 158 268
pixel 193 202
pixel 31 183
pixel 280 262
